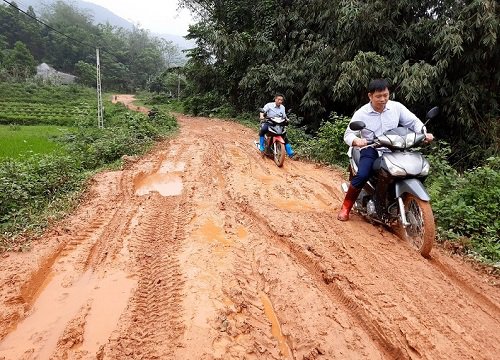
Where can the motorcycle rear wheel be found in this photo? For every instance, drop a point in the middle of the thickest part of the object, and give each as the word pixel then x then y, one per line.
pixel 279 153
pixel 421 231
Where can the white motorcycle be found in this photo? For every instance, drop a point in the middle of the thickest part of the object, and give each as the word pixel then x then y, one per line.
pixel 395 194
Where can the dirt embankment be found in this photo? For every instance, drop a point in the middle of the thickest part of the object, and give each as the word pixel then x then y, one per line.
pixel 203 250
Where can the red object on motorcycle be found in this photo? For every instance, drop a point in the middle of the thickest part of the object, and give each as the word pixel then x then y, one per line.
pixel 278 139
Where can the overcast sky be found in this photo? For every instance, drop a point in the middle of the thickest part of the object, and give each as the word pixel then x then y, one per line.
pixel 159 16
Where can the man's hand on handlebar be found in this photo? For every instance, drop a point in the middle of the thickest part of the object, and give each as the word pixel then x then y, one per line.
pixel 428 137
pixel 359 142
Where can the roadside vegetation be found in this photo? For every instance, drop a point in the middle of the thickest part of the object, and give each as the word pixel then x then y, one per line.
pixel 41 183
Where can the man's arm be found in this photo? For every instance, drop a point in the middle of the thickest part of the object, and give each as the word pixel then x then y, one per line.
pixel 351 137
pixel 410 120
pixel 262 115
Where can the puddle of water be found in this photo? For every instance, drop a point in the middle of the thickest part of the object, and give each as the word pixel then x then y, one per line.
pixel 111 298
pixel 165 184
pixel 57 305
pixel 275 326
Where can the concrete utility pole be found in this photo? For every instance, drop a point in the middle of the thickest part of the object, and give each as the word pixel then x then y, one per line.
pixel 100 118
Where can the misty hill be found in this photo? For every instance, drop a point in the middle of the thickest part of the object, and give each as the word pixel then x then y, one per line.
pixel 101 15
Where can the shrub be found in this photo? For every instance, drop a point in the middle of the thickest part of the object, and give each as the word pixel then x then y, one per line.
pixel 28 185
pixel 31 185
pixel 327 146
pixel 466 205
pixel 204 105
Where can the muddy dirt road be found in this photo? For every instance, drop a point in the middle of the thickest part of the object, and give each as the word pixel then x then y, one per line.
pixel 204 250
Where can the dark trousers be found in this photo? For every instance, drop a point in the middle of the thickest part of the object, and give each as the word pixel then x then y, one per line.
pixel 365 167
pixel 265 127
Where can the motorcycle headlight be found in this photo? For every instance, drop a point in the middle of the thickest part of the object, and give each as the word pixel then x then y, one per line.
pixel 394 170
pixel 425 168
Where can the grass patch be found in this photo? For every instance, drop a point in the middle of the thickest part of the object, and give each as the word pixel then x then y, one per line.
pixel 19 141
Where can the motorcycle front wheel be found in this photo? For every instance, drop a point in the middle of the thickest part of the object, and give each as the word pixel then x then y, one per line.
pixel 421 231
pixel 279 153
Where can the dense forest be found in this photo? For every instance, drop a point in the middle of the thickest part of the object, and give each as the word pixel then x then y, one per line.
pixel 129 58
pixel 321 55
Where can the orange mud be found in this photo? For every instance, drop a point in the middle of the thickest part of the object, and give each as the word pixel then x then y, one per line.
pixel 204 250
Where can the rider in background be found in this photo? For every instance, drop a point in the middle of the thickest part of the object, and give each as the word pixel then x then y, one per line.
pixel 273 109
pixel 379 115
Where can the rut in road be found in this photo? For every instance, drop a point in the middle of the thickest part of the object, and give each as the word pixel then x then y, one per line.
pixel 203 250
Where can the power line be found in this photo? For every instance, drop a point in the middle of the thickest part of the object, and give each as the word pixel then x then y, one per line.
pixel 63 34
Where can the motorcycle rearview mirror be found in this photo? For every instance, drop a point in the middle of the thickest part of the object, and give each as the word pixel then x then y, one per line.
pixel 357 125
pixel 261 110
pixel 432 113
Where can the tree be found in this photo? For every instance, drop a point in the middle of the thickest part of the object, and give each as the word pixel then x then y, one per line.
pixel 87 73
pixel 322 53
pixel 19 62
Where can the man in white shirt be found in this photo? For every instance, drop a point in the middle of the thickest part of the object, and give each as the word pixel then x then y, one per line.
pixel 379 115
pixel 274 109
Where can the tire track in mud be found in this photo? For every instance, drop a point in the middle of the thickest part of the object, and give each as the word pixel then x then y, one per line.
pixel 381 306
pixel 251 301
pixel 154 310
pixel 70 240
pixel 249 321
pixel 152 325
pixel 385 343
pixel 54 285
pixel 409 327
pixel 406 333
pixel 417 311
pixel 480 298
pixel 253 311
pixel 244 327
